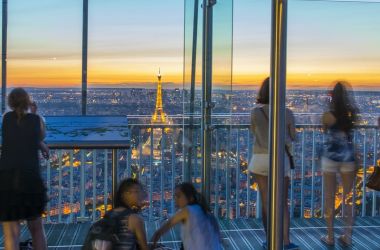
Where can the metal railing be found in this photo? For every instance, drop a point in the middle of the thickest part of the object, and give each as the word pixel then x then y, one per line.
pixel 80 181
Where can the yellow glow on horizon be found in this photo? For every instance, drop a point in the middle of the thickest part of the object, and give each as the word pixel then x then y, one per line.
pixel 67 73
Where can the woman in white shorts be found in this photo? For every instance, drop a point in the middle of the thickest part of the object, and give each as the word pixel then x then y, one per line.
pixel 338 156
pixel 259 164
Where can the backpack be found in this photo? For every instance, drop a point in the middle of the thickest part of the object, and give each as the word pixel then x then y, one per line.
pixel 105 229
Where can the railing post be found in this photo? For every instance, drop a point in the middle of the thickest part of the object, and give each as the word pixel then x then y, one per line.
pixel 277 124
pixel 162 188
pixel 71 185
pixel 355 179
pixel 248 174
pixel 364 198
pixel 48 184
pixel 59 186
pixel 291 211
pixel 313 176
pixel 303 175
pixel 258 204
pixel 151 175
pixel 375 165
pixel 206 96
pixel 217 149
pixel 140 154
pixel 94 198
pixel 323 184
pixel 4 29
pixel 173 176
pixel 129 162
pixel 228 174
pixel 82 186
pixel 237 177
pixel 114 174
pixel 105 199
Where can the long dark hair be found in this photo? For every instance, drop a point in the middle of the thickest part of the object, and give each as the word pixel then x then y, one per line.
pixel 263 95
pixel 19 101
pixel 193 196
pixel 343 107
pixel 125 186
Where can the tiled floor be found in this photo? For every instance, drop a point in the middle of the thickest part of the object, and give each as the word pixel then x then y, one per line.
pixel 237 234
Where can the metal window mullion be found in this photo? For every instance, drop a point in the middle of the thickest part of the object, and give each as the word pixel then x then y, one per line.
pixel 207 96
pixel 84 56
pixel 277 123
pixel 4 54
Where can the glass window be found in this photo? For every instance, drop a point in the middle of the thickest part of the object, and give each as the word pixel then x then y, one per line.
pixel 44 53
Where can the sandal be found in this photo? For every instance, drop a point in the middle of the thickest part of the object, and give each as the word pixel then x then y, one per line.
pixel 343 241
pixel 325 239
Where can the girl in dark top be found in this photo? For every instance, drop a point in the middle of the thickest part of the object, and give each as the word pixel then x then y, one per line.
pixel 22 191
pixel 131 232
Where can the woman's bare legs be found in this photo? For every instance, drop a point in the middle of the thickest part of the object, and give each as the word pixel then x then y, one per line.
pixel 38 234
pixel 11 230
pixel 329 193
pixel 262 182
pixel 348 183
pixel 286 212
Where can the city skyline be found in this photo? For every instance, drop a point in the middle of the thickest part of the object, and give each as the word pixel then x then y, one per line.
pixel 338 40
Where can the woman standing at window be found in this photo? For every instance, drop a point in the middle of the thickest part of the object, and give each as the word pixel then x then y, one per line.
pixel 22 191
pixel 259 164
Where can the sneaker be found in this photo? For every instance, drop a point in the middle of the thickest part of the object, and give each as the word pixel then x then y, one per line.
pixel 291 246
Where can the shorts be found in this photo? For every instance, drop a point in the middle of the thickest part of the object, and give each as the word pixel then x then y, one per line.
pixel 259 164
pixel 331 166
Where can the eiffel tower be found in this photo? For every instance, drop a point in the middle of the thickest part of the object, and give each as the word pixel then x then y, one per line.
pixel 159 115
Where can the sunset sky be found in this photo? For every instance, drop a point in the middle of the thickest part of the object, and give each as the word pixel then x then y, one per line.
pixel 130 40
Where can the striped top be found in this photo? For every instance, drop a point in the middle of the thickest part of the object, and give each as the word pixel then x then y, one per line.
pixel 127 239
